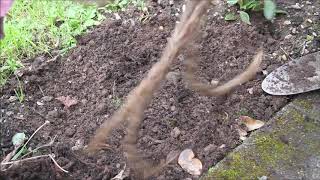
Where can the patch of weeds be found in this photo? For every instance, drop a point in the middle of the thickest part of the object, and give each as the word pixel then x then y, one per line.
pixel 116 102
pixel 121 5
pixel 33 27
pixel 268 7
pixel 20 146
pixel 19 92
pixel 11 65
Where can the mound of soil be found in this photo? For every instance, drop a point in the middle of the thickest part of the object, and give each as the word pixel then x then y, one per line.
pixel 109 62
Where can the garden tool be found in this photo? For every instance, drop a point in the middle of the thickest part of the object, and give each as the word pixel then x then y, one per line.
pixel 297 76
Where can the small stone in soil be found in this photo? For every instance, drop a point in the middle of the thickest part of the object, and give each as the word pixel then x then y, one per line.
pixel 70 131
pixel 284 57
pixel 296 6
pixel 47 98
pixel 289 36
pixel 250 90
pixel 214 82
pixel 40 103
pixel 294 31
pixel 265 72
pixel 12 99
pixel 78 145
pixel 9 113
pixel 287 22
pixel 175 132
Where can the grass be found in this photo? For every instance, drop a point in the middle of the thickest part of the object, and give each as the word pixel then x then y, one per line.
pixel 19 92
pixel 35 27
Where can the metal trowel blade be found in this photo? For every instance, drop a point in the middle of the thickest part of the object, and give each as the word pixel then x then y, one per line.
pixel 297 76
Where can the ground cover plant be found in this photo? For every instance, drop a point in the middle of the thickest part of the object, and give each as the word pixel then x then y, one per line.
pixel 35 27
pixel 268 7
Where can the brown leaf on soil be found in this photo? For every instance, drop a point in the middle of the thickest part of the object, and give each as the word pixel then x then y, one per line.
pixel 190 164
pixel 67 101
pixel 252 124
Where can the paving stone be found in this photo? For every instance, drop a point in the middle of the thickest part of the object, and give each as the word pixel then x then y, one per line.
pixel 288 147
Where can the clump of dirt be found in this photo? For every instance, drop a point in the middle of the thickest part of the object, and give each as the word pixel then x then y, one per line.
pixel 108 63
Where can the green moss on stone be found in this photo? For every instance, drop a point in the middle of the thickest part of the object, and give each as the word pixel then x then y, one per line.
pixel 239 166
pixel 307 105
pixel 271 150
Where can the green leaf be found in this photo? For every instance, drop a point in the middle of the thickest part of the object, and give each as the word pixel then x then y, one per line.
pixel 269 9
pixel 245 17
pixel 232 2
pixel 21 152
pixel 18 139
pixel 230 17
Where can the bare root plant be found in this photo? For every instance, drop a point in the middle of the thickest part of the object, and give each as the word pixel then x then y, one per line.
pixel 214 90
pixel 140 97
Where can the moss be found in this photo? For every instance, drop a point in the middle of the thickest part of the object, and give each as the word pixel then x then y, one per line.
pixel 271 150
pixel 297 116
pixel 304 104
pixel 280 121
pixel 239 166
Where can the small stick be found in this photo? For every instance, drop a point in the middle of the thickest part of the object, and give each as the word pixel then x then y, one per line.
pixel 43 146
pixel 285 52
pixel 26 159
pixel 45 123
pixel 37 157
pixel 55 162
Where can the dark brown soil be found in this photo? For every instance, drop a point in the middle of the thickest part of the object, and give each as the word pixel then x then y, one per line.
pixel 108 63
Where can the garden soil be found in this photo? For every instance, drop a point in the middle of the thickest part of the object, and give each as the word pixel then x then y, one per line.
pixel 107 64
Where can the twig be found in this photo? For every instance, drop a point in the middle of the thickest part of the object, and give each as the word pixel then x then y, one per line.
pixel 41 90
pixel 45 123
pixel 55 162
pixel 37 157
pixel 120 175
pixel 26 159
pixel 285 52
pixel 8 158
pixel 43 146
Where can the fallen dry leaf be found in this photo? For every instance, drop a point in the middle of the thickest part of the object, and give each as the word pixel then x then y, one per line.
pixel 190 164
pixel 252 124
pixel 67 101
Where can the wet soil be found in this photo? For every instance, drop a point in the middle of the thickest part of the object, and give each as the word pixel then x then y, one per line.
pixel 109 62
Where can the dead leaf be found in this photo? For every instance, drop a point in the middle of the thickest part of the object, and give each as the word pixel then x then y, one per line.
pixel 252 124
pixel 190 164
pixel 67 101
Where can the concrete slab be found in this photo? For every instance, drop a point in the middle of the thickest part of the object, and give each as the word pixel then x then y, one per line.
pixel 287 147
